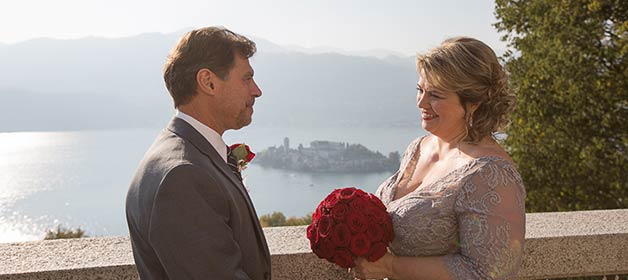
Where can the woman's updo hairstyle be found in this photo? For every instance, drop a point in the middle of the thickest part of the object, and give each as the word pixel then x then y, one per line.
pixel 470 68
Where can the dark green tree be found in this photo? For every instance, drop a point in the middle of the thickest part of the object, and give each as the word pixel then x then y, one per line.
pixel 569 135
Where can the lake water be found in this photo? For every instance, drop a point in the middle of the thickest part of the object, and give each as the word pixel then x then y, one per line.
pixel 80 178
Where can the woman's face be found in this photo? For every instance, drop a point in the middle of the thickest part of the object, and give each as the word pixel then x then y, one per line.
pixel 441 111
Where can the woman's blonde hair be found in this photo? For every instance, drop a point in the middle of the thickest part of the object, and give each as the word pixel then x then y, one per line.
pixel 470 69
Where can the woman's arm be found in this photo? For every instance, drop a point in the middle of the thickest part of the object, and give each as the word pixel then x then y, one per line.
pixel 402 268
pixel 491 224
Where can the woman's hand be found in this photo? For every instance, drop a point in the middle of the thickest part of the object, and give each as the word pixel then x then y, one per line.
pixel 379 269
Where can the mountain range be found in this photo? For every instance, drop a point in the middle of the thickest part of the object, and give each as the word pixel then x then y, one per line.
pixel 104 83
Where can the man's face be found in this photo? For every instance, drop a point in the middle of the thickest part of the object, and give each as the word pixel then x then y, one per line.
pixel 237 95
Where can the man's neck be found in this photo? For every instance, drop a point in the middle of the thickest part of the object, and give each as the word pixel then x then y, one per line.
pixel 202 116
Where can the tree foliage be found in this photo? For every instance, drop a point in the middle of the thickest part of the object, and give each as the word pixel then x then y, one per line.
pixel 568 66
pixel 64 233
pixel 278 219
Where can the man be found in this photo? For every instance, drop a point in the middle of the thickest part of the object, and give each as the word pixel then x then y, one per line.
pixel 189 215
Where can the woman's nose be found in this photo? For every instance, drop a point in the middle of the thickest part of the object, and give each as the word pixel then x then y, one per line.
pixel 421 100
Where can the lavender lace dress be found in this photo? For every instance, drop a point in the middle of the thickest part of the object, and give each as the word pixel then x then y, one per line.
pixel 474 216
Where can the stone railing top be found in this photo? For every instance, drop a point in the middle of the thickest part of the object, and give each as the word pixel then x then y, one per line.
pixel 538 225
pixel 64 254
pixel 277 237
pixel 576 223
pixel 557 244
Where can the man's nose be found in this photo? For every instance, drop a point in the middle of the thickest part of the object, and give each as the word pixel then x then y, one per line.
pixel 257 92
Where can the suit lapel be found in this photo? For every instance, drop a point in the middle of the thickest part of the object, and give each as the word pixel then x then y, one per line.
pixel 186 131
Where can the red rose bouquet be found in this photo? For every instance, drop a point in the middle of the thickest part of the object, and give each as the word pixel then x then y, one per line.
pixel 350 223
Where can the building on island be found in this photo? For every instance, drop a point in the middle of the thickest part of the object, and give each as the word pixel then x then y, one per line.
pixel 327 156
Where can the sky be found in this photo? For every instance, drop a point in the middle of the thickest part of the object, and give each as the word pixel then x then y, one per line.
pixel 403 26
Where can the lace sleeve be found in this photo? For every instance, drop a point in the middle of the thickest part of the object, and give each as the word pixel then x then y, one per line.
pixel 490 210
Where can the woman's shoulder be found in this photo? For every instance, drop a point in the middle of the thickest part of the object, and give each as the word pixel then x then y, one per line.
pixel 414 146
pixel 492 161
pixel 417 142
pixel 494 171
pixel 490 150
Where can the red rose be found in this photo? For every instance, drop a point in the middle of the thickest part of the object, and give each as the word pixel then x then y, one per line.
pixel 382 218
pixel 387 226
pixel 310 231
pixel 315 216
pixel 359 205
pixel 324 249
pixel 377 251
pixel 375 232
pixel 371 214
pixel 357 223
pixel 312 234
pixel 339 212
pixel 343 258
pixel 324 225
pixel 360 244
pixel 347 193
pixel 317 213
pixel 377 201
pixel 332 199
pixel 361 193
pixel 341 235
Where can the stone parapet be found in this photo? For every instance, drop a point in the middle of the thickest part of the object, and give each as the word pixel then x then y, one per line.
pixel 84 258
pixel 580 243
pixel 565 244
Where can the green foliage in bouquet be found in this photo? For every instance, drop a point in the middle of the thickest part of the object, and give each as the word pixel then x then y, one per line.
pixel 569 136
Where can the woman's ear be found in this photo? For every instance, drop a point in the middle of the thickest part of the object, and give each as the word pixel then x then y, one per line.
pixel 471 107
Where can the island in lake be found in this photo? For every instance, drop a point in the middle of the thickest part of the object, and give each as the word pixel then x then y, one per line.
pixel 326 156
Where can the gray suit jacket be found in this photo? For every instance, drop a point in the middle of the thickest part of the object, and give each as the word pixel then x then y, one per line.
pixel 189 217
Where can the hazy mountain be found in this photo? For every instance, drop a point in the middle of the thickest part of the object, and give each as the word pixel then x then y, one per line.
pixel 268 46
pixel 378 53
pixel 95 83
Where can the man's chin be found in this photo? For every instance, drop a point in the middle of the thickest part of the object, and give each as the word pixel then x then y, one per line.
pixel 243 124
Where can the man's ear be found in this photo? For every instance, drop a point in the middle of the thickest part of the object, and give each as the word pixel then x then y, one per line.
pixel 206 81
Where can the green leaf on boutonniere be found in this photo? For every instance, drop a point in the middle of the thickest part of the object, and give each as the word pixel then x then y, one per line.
pixel 242 152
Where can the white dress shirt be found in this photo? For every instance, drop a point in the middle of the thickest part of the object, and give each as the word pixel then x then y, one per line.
pixel 211 135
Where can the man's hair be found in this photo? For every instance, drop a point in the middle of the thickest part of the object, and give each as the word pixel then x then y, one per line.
pixel 212 48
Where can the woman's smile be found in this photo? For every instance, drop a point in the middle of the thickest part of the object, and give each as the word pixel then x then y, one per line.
pixel 428 116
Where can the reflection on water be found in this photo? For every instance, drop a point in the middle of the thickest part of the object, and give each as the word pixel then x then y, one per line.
pixel 79 179
pixel 72 178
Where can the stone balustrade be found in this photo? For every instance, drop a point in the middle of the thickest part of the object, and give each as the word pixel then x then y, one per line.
pixel 563 244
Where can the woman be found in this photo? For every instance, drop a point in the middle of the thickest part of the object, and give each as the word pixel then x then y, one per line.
pixel 457 201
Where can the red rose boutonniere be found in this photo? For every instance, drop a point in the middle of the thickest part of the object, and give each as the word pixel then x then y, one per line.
pixel 243 155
